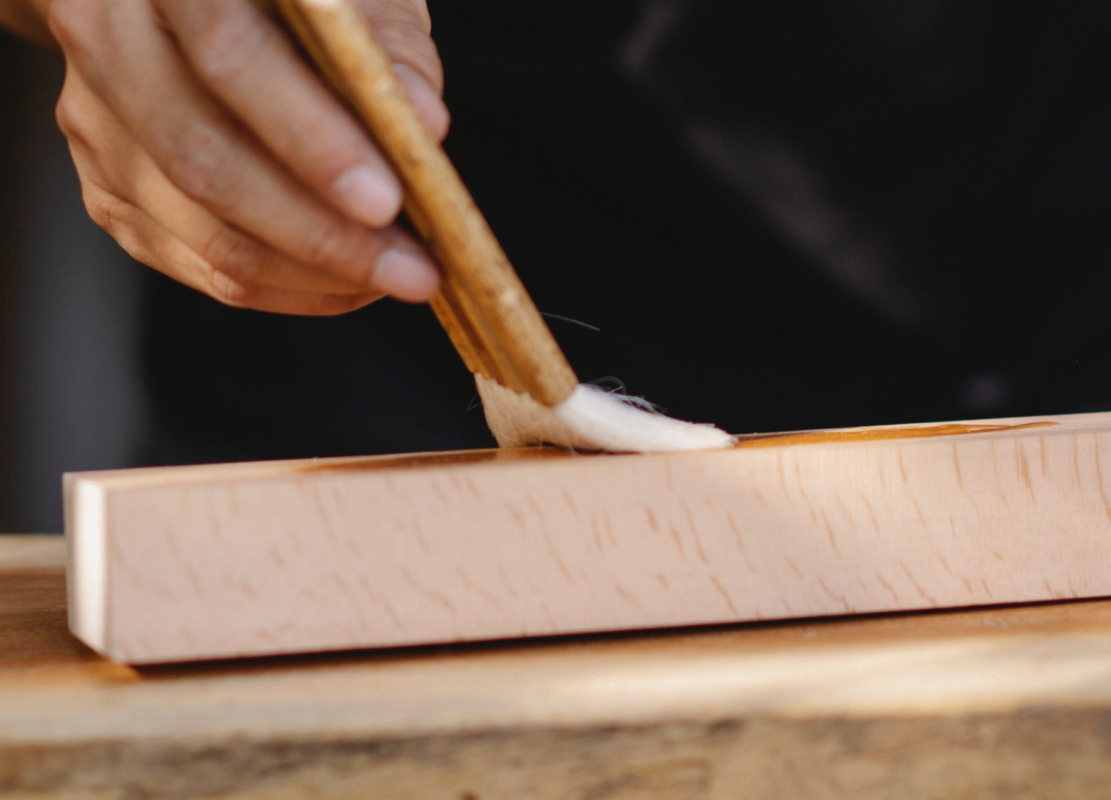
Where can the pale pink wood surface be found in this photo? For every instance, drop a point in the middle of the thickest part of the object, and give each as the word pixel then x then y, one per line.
pixel 200 562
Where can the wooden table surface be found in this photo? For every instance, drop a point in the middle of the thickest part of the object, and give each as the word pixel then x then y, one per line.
pixel 990 703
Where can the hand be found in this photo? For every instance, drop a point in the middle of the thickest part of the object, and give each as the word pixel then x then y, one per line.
pixel 211 152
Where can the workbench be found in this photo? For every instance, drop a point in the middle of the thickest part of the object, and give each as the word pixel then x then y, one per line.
pixel 1010 702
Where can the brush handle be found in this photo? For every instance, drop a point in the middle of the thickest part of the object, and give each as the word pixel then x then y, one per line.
pixel 482 305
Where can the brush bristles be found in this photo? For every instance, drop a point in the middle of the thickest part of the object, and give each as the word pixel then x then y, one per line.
pixel 590 419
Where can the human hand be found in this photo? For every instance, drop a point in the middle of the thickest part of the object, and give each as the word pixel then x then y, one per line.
pixel 211 152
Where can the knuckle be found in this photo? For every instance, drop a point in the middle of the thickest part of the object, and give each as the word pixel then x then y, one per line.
pixel 330 244
pixel 225 289
pixel 201 165
pixel 410 12
pixel 224 42
pixel 68 117
pixel 103 208
pixel 408 44
pixel 414 12
pixel 72 24
pixel 232 254
pixel 86 123
pixel 77 119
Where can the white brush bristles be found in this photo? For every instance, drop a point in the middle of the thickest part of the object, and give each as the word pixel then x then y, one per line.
pixel 590 419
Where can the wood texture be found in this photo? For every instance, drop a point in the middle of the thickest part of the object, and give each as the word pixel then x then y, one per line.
pixel 212 561
pixel 483 305
pixel 986 704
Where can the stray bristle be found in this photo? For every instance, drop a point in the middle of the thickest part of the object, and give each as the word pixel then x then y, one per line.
pixel 591 419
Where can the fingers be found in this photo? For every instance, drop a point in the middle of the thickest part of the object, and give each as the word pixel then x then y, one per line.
pixel 208 156
pixel 250 65
pixel 427 102
pixel 151 243
pixel 209 149
pixel 402 27
pixel 106 154
pixel 119 180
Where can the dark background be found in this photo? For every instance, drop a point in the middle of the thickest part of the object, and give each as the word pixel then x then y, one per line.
pixel 779 215
pixel 70 391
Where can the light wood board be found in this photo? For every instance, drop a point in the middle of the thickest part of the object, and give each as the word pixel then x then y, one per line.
pixel 228 560
pixel 985 704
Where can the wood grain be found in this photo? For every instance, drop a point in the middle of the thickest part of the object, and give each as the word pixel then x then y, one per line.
pixel 214 561
pixel 995 703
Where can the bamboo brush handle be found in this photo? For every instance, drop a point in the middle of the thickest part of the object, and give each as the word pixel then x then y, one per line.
pixel 483 305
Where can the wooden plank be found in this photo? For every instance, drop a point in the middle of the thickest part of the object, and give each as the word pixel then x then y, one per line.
pixel 35 551
pixel 214 561
pixel 992 703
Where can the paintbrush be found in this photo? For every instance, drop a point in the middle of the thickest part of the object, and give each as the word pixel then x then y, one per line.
pixel 529 392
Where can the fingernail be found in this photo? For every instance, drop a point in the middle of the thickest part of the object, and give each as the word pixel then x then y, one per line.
pixel 429 105
pixel 406 275
pixel 372 197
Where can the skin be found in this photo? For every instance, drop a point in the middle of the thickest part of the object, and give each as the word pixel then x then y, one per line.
pixel 212 153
